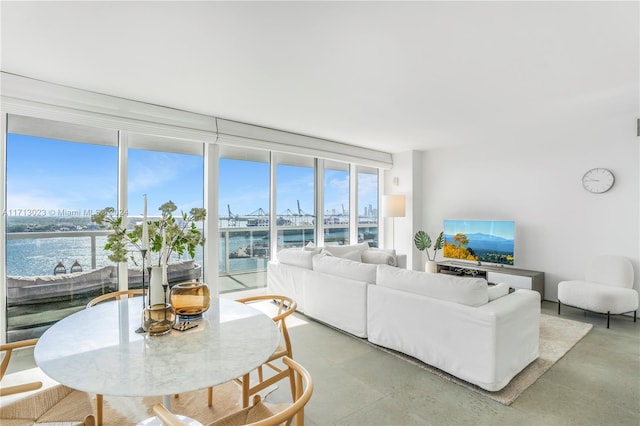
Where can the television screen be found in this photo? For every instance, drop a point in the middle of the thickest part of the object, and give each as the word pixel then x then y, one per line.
pixel 490 241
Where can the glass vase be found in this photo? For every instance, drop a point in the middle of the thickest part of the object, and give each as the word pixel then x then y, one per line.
pixel 190 299
pixel 158 319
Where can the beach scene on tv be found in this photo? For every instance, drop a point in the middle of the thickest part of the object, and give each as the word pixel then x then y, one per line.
pixel 484 241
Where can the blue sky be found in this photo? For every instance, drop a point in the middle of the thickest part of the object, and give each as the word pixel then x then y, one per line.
pixel 504 229
pixel 54 175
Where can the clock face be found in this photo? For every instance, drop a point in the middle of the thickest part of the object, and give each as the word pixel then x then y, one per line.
pixel 598 180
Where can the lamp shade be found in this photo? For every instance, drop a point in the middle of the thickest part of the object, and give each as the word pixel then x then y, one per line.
pixel 394 206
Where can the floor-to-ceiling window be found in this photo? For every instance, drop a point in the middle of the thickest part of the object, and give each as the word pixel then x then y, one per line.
pixel 57 175
pixel 295 205
pixel 367 197
pixel 163 170
pixel 336 202
pixel 243 197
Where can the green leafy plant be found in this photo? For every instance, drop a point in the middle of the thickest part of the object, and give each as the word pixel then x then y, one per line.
pixel 181 236
pixel 422 241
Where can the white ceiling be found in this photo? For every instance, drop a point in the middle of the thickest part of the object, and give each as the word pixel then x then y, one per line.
pixel 387 75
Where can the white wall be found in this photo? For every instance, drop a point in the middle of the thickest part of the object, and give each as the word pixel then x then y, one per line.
pixel 405 178
pixel 559 225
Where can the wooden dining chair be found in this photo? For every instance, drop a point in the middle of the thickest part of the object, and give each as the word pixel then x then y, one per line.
pixel 55 405
pixel 259 414
pixel 285 307
pixel 116 295
pixel 6 351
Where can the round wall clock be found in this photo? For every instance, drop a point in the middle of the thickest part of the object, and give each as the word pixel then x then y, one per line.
pixel 598 180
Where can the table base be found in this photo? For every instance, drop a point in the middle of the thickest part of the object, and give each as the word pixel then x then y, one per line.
pixel 154 421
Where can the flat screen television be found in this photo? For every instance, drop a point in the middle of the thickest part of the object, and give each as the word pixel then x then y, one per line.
pixel 489 241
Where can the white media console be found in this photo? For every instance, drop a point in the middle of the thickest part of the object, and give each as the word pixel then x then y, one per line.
pixel 516 278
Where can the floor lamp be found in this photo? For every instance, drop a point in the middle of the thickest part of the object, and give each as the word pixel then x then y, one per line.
pixel 394 206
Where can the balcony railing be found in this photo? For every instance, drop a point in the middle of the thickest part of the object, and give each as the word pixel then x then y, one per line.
pixel 243 250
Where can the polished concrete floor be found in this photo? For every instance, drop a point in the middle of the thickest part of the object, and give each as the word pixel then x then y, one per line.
pixel 596 383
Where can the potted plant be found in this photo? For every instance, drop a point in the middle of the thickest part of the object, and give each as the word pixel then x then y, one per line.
pixel 180 237
pixel 167 236
pixel 422 241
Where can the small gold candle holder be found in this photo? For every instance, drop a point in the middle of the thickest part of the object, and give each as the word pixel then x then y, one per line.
pixel 158 319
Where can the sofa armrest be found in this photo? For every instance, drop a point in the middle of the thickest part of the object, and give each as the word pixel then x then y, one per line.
pixel 286 280
pixel 485 345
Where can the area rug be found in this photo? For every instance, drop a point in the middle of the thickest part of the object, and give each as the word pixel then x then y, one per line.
pixel 557 337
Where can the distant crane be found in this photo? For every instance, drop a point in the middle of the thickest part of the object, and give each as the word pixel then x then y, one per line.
pixel 233 219
pixel 259 212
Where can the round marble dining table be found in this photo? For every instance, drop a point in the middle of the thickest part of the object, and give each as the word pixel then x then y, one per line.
pixel 97 350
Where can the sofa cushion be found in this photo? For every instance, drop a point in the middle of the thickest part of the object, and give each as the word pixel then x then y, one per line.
pixel 498 290
pixel 312 247
pixel 380 256
pixel 296 257
pixel 351 251
pixel 346 268
pixel 463 290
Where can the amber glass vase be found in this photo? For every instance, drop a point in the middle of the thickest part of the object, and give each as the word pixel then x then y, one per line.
pixel 158 319
pixel 190 299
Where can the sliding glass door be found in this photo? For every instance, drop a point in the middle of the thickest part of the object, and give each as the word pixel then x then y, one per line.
pixel 295 201
pixel 336 203
pixel 58 175
pixel 367 197
pixel 164 170
pixel 243 217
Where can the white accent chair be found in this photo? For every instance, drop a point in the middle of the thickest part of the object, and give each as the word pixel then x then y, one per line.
pixel 606 289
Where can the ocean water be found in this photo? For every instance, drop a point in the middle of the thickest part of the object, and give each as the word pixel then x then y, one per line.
pixel 31 257
pixel 28 257
pixel 39 256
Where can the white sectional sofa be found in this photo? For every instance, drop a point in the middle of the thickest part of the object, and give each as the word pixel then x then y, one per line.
pixel 482 334
pixel 455 324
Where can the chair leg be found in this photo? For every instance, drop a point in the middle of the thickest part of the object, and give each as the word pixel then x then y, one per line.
pixel 99 399
pixel 245 391
pixel 559 303
pixel 292 380
pixel 608 312
pixel 260 375
pixel 635 314
pixel 210 397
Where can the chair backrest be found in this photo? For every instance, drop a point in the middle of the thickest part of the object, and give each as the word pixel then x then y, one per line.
pixel 115 295
pixel 292 414
pixel 615 271
pixel 286 306
pixel 6 350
